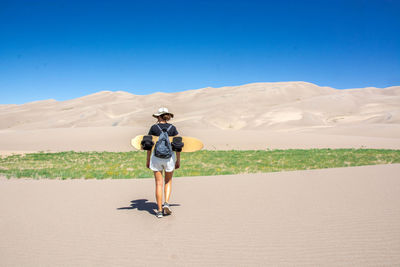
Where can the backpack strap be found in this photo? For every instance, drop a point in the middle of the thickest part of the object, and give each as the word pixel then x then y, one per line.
pixel 169 128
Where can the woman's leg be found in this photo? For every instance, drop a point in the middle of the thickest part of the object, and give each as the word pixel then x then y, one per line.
pixel 159 188
pixel 167 188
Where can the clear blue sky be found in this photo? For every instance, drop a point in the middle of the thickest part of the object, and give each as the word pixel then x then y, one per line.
pixel 63 49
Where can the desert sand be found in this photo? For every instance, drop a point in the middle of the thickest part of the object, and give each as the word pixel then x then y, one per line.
pixel 330 217
pixel 253 116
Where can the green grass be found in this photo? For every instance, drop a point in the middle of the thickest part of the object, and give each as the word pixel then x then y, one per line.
pixel 100 165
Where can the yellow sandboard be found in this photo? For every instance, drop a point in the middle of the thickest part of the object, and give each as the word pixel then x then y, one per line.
pixel 191 144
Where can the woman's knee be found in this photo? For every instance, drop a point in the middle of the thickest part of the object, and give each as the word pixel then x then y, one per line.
pixel 168 176
pixel 158 177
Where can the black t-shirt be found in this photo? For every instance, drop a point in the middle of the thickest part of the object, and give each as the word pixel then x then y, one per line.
pixel 154 130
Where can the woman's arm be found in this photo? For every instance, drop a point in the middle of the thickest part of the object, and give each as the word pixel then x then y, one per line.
pixel 148 158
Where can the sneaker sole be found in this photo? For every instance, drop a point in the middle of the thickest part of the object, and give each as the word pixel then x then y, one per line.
pixel 167 211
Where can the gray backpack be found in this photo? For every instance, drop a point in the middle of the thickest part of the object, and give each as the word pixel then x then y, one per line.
pixel 163 148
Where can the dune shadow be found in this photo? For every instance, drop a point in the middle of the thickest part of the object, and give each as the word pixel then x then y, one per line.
pixel 143 205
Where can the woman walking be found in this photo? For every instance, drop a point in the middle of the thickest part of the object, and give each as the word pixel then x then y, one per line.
pixel 158 165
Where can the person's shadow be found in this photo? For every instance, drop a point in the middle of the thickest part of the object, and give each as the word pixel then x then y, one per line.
pixel 143 205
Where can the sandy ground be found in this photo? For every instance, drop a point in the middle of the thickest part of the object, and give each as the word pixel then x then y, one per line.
pixel 118 138
pixel 333 217
pixel 330 217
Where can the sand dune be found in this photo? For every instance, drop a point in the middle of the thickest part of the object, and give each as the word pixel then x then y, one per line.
pixel 247 106
pixel 294 110
pixel 334 217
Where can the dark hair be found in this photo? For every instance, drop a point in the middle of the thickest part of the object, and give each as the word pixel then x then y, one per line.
pixel 166 117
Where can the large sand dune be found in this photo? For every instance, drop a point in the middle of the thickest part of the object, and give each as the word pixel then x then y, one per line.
pixel 335 217
pixel 288 114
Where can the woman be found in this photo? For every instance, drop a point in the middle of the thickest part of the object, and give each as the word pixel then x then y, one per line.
pixel 158 165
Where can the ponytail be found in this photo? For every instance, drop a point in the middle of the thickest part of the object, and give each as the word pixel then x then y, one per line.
pixel 166 117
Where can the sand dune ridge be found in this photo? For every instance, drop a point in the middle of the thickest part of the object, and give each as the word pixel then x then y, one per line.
pixel 256 105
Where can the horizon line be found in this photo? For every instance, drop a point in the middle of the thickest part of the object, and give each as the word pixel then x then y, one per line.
pixel 185 90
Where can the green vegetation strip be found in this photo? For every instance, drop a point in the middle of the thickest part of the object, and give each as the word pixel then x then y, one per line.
pixel 100 165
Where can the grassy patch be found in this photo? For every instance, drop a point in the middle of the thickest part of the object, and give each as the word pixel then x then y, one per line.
pixel 100 165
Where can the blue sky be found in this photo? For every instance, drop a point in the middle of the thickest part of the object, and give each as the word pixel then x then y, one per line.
pixel 63 49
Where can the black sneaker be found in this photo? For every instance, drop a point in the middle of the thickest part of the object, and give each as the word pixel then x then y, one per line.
pixel 166 209
pixel 159 214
